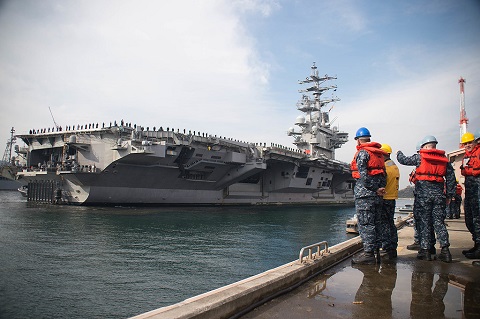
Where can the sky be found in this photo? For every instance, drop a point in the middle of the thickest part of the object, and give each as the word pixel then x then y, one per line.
pixel 231 67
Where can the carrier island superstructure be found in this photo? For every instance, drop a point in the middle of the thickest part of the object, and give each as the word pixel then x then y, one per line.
pixel 125 164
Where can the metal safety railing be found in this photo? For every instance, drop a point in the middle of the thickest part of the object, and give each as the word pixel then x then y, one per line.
pixel 312 255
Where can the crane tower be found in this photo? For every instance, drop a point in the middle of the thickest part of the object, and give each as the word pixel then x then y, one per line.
pixel 463 114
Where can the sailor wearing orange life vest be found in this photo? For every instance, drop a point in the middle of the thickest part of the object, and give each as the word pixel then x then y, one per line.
pixel 416 237
pixel 453 210
pixel 471 170
pixel 368 168
pixel 432 171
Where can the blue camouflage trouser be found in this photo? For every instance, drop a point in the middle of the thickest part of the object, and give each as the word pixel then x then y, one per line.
pixel 418 225
pixel 369 211
pixel 472 207
pixel 417 232
pixel 453 210
pixel 431 215
pixel 388 230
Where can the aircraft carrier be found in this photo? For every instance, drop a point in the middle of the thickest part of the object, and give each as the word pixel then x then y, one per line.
pixel 125 164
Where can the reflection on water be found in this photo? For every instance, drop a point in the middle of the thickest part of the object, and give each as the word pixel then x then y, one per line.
pixel 90 262
pixel 380 293
pixel 472 300
pixel 427 299
pixel 375 291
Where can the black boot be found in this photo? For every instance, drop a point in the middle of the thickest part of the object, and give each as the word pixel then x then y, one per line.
pixel 433 252
pixel 474 254
pixel 445 255
pixel 366 258
pixel 471 250
pixel 424 254
pixel 391 254
pixel 414 246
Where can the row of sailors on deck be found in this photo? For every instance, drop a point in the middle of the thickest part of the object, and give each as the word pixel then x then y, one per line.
pixel 79 127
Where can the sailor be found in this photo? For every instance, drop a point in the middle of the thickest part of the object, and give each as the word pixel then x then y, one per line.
pixel 432 171
pixel 416 237
pixel 368 168
pixel 470 168
pixel 388 229
pixel 453 210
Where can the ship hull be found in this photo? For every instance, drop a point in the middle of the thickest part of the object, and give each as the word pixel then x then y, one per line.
pixel 8 185
pixel 270 183
pixel 157 197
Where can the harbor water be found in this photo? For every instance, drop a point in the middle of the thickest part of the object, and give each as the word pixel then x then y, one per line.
pixel 116 262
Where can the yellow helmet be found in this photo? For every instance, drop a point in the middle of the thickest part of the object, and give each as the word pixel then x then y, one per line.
pixel 386 148
pixel 467 137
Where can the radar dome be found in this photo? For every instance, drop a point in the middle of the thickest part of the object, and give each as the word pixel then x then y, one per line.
pixel 300 120
pixel 290 131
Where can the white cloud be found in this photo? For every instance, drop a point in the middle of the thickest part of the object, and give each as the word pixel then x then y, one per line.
pixel 180 64
pixel 401 113
pixel 264 7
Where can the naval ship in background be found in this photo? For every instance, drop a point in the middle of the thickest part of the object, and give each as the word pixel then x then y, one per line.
pixel 8 167
pixel 125 164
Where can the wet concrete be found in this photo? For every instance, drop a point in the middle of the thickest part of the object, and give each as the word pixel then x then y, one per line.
pixel 404 288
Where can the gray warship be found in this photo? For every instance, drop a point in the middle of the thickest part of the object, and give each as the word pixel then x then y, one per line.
pixel 8 166
pixel 125 164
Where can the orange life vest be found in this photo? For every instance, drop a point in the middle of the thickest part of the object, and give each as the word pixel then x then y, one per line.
pixel 412 178
pixel 458 189
pixel 433 165
pixel 376 163
pixel 471 162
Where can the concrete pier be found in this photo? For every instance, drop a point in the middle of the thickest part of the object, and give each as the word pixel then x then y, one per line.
pixel 328 286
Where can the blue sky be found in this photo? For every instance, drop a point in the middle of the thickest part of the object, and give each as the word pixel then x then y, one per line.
pixel 230 67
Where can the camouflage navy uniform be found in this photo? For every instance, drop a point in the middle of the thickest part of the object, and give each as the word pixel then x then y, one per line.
pixel 453 210
pixel 472 207
pixel 470 169
pixel 430 204
pixel 417 224
pixel 368 204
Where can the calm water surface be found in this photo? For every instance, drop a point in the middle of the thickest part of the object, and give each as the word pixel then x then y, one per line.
pixel 95 262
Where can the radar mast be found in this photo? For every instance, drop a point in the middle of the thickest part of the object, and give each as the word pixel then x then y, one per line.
pixel 315 137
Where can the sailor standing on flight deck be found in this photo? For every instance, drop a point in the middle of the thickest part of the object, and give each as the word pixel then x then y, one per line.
pixel 368 168
pixel 433 170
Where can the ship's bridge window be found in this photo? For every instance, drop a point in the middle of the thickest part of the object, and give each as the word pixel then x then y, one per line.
pixel 309 181
pixel 216 157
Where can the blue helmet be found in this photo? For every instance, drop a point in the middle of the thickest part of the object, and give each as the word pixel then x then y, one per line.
pixel 418 146
pixel 428 139
pixel 362 132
